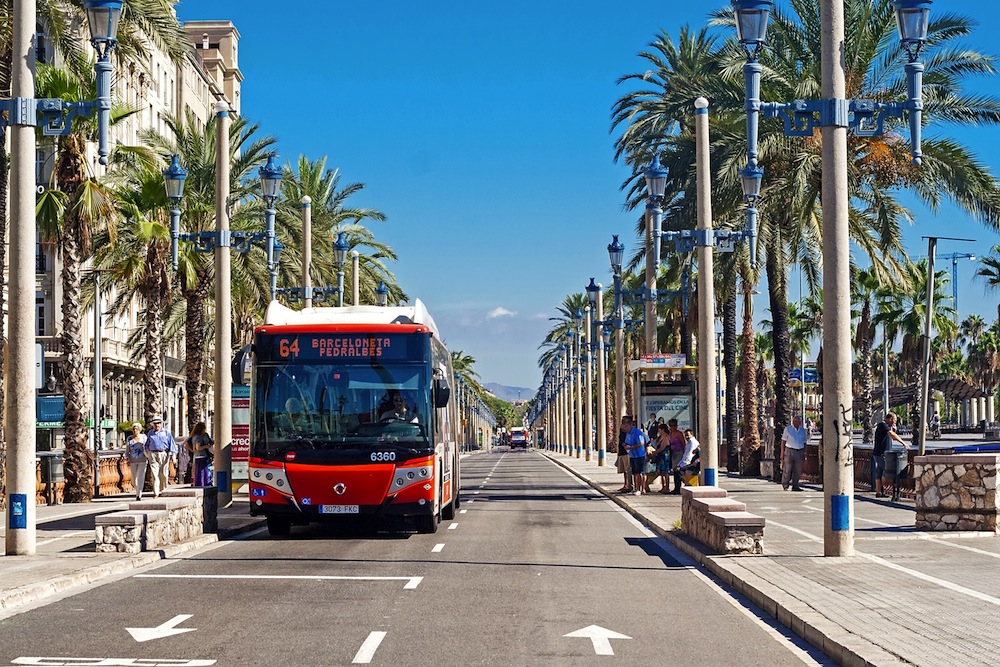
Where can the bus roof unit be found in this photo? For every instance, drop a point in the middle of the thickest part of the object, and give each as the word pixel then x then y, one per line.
pixel 278 314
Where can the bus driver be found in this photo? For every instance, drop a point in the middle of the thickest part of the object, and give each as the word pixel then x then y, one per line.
pixel 398 411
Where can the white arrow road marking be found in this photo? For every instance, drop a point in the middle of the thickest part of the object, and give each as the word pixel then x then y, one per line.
pixel 162 630
pixel 600 637
pixel 367 650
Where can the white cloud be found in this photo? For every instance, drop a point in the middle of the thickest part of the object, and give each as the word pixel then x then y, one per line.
pixel 500 311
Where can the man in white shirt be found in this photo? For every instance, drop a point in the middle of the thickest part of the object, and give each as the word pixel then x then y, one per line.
pixel 793 453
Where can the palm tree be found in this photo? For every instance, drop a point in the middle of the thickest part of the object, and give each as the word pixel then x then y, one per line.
pixel 195 144
pixel 971 329
pixel 146 22
pixel 140 260
pixel 866 289
pixel 331 215
pixel 989 272
pixel 69 215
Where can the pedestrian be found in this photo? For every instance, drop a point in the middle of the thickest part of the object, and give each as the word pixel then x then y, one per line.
pixel 885 433
pixel 661 457
pixel 200 444
pixel 686 462
pixel 622 464
pixel 793 453
pixel 635 445
pixel 135 446
pixel 158 443
pixel 677 446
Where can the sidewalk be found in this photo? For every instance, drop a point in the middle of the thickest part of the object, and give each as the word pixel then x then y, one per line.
pixel 65 556
pixel 906 597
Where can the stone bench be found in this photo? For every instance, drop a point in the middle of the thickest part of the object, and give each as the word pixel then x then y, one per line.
pixel 177 515
pixel 721 523
pixel 991 434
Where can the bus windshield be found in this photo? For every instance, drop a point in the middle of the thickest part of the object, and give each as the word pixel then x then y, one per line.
pixel 336 406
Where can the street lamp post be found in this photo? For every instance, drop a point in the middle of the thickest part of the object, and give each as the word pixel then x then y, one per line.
pixel 355 277
pixel 588 371
pixel 656 183
pixel 578 413
pixel 223 400
pixel 340 249
pixel 23 112
pixel 836 114
pixel 954 257
pixel 616 250
pixel 306 203
pixel 597 303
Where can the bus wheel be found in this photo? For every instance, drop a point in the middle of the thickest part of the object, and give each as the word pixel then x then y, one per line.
pixel 427 523
pixel 278 526
pixel 448 511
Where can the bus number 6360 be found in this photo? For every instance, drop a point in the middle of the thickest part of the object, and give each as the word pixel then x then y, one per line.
pixel 383 456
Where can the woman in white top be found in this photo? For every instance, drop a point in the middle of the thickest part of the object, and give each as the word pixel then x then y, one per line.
pixel 135 445
pixel 691 446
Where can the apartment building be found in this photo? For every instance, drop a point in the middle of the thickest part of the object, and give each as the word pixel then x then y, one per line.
pixel 158 88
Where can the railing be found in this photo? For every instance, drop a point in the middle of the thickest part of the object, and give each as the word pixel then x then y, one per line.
pixel 114 476
pixel 862 470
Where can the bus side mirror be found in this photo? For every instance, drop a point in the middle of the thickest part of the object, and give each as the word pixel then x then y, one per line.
pixel 241 365
pixel 442 392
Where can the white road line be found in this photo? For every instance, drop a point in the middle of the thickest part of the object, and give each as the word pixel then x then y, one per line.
pixel 475 493
pixel 411 582
pixel 437 548
pixel 453 526
pixel 367 650
pixel 913 573
pixel 76 533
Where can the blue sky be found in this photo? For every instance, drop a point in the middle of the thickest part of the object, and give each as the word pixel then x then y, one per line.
pixel 482 130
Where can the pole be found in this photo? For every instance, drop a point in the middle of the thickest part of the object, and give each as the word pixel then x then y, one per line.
pixel 98 326
pixel 651 264
pixel 602 386
pixel 19 423
pixel 578 386
pixel 838 466
pixel 885 371
pixel 355 277
pixel 223 313
pixel 718 388
pixel 919 433
pixel 588 436
pixel 307 250
pixel 707 414
pixel 619 353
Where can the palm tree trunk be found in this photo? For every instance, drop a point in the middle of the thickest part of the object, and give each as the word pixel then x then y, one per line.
pixel 154 292
pixel 748 363
pixel 777 284
pixel 729 345
pixel 78 462
pixel 866 376
pixel 195 336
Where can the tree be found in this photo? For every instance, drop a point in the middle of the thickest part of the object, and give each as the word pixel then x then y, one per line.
pixel 69 215
pixel 989 272
pixel 195 144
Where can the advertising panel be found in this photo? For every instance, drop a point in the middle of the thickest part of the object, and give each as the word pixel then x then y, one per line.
pixel 668 400
pixel 241 432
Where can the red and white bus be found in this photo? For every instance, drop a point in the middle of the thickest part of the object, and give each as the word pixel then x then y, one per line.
pixel 350 415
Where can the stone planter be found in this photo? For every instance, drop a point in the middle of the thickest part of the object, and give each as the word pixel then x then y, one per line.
pixel 956 492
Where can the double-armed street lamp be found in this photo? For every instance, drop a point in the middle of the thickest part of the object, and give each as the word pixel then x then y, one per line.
pixel 835 114
pixel 22 116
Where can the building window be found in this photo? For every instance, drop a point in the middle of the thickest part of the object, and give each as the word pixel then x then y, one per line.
pixel 41 44
pixel 40 313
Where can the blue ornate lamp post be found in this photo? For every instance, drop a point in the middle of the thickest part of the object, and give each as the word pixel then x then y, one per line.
pixel 616 249
pixel 270 182
pixel 22 117
pixel 598 347
pixel 656 185
pixel 381 295
pixel 340 249
pixel 835 115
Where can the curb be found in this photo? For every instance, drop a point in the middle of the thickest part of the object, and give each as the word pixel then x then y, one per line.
pixel 13 598
pixel 796 615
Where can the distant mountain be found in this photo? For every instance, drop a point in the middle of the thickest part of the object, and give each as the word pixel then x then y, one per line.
pixel 509 394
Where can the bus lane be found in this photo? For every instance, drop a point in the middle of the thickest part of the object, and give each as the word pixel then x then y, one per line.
pixel 320 596
pixel 543 570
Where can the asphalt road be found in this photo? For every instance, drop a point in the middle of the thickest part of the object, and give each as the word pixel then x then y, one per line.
pixel 536 569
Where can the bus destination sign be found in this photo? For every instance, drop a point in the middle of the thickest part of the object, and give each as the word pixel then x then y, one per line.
pixel 334 347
